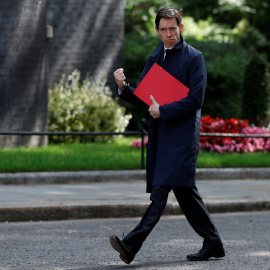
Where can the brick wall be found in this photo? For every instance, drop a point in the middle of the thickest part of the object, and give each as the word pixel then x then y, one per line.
pixel 23 84
pixel 87 35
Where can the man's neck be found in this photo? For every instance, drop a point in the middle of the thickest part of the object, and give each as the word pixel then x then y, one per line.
pixel 165 48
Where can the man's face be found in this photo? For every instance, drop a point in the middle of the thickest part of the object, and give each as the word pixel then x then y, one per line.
pixel 169 31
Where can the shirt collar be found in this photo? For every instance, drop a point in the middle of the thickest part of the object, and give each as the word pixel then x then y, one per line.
pixel 165 48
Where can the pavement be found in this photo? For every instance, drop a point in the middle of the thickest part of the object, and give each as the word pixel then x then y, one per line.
pixel 116 194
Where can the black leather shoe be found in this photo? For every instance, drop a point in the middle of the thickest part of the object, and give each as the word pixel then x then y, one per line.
pixel 126 253
pixel 204 254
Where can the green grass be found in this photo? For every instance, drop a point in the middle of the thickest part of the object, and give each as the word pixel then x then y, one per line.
pixel 106 156
pixel 216 160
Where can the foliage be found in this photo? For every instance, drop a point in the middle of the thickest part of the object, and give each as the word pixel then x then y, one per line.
pixel 81 106
pixel 140 15
pixel 256 92
pixel 254 14
pixel 250 37
pixel 225 63
pixel 207 30
pixel 227 144
pixel 198 9
pixel 230 12
pixel 259 15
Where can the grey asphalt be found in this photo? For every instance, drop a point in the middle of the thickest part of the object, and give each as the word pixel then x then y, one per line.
pixel 84 244
pixel 116 194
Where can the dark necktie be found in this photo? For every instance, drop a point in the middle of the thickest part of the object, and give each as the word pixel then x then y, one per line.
pixel 166 54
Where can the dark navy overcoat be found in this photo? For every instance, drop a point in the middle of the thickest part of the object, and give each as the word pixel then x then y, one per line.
pixel 173 139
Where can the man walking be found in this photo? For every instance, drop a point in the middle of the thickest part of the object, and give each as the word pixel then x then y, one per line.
pixel 173 142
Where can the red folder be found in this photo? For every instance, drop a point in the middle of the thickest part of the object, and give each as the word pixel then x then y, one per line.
pixel 161 85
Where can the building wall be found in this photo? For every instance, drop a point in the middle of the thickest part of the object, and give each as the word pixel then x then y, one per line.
pixel 87 35
pixel 23 83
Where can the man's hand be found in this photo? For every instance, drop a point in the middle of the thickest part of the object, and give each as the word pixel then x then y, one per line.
pixel 120 77
pixel 154 108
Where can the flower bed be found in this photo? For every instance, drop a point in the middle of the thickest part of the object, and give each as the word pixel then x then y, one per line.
pixel 227 144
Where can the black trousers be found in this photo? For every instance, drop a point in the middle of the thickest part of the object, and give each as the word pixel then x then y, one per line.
pixel 193 208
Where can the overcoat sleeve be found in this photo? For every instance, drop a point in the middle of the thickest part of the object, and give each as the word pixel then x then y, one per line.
pixel 197 76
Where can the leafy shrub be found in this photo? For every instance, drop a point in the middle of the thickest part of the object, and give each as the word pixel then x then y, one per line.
pixel 81 106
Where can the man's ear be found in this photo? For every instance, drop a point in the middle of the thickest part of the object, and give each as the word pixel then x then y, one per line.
pixel 181 28
pixel 157 31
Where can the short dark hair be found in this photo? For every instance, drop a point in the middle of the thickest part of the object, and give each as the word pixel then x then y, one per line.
pixel 169 12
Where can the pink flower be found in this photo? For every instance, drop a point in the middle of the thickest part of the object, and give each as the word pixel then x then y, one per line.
pixel 227 144
pixel 138 143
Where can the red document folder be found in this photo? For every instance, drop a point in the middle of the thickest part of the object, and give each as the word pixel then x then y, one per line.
pixel 161 85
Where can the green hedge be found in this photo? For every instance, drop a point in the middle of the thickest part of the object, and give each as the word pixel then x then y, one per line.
pixel 256 92
pixel 226 64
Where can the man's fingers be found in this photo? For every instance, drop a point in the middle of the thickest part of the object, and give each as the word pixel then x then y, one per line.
pixel 120 77
pixel 153 100
pixel 154 108
pixel 119 70
pixel 119 73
